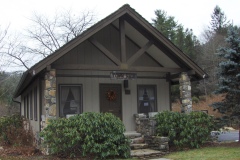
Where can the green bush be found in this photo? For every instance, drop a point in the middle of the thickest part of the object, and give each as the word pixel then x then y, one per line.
pixel 97 134
pixel 185 130
pixel 195 99
pixel 12 131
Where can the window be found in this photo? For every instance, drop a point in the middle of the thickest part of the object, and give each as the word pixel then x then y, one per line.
pixel 25 106
pixel 31 105
pixel 35 104
pixel 70 100
pixel 147 99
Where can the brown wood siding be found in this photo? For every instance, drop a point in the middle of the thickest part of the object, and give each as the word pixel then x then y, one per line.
pixel 28 107
pixel 110 38
pixel 144 60
pixel 86 53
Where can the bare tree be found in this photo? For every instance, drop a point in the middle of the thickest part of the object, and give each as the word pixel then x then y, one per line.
pixel 209 61
pixel 3 34
pixel 17 54
pixel 44 36
pixel 49 34
pixel 12 52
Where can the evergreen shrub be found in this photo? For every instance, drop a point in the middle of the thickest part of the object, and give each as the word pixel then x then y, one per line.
pixel 184 130
pixel 96 134
pixel 195 99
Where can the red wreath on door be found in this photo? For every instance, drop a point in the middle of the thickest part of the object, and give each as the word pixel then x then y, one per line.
pixel 111 95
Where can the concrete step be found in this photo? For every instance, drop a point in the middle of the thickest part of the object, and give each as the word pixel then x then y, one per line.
pixel 132 134
pixel 146 153
pixel 138 146
pixel 138 140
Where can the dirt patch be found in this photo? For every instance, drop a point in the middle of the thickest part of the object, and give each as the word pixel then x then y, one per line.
pixel 202 105
pixel 30 153
pixel 19 150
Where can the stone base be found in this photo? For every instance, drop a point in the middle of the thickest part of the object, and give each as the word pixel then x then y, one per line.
pixel 144 125
pixel 157 143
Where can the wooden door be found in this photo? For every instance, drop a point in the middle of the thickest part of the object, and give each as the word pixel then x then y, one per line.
pixel 111 99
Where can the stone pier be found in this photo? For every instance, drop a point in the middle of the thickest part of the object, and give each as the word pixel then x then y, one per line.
pixel 49 104
pixel 144 125
pixel 148 139
pixel 185 93
pixel 49 97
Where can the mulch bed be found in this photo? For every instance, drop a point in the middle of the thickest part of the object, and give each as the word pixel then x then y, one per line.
pixel 31 153
pixel 18 150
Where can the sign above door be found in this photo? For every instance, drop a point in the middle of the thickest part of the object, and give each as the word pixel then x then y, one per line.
pixel 123 75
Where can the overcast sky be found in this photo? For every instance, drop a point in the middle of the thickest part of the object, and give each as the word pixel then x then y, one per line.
pixel 194 14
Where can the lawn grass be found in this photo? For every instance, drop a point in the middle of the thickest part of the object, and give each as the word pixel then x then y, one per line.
pixel 208 153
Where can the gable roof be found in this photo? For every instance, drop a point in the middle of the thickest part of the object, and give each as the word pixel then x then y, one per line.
pixel 133 18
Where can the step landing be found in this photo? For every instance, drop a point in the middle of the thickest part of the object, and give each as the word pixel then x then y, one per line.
pixel 138 146
pixel 132 134
pixel 146 153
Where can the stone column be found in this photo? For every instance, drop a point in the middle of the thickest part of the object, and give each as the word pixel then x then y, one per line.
pixel 50 95
pixel 185 93
pixel 49 103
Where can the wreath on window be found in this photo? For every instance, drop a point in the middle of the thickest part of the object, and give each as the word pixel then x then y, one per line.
pixel 111 95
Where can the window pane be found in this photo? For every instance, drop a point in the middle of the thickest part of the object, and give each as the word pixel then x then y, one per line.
pixel 30 105
pixel 35 104
pixel 70 100
pixel 27 106
pixel 147 99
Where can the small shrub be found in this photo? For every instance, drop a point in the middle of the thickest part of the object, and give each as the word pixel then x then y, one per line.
pixel 98 134
pixel 12 131
pixel 195 99
pixel 202 98
pixel 185 130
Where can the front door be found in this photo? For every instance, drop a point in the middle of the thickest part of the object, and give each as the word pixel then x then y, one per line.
pixel 111 99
